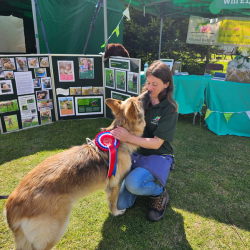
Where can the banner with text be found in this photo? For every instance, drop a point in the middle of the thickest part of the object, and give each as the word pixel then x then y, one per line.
pixel 220 31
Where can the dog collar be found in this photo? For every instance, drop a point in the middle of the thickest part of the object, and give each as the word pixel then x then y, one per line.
pixel 106 142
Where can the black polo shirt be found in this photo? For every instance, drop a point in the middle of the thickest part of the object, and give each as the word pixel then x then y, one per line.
pixel 160 122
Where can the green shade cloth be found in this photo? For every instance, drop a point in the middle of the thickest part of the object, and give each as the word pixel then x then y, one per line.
pixel 230 97
pixel 67 23
pixel 183 8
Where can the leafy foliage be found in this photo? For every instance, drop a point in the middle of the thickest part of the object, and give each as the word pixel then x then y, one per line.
pixel 141 37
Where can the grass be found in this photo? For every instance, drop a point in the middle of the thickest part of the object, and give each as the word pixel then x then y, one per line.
pixel 211 175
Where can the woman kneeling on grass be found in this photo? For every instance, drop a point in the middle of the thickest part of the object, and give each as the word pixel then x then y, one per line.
pixel 152 161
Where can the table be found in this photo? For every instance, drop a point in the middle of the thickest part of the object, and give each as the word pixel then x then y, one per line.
pixel 225 98
pixel 189 92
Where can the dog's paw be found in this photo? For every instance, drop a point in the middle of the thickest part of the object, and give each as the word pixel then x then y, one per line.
pixel 118 212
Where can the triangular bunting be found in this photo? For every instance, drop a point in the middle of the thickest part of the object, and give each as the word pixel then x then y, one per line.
pixel 208 112
pixel 116 30
pixel 248 114
pixel 228 116
pixel 126 13
pixel 104 45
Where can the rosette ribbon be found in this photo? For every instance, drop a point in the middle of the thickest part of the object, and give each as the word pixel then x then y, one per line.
pixel 106 142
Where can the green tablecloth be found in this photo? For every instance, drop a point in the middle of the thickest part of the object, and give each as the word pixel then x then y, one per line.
pixel 230 106
pixel 188 92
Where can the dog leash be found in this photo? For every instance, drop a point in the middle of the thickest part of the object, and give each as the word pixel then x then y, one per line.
pixel 91 143
pixel 2 197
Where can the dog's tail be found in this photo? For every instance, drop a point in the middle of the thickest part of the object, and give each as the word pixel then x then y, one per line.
pixel 2 197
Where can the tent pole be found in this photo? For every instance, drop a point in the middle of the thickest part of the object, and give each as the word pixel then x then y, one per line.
pixel 35 27
pixel 160 39
pixel 105 22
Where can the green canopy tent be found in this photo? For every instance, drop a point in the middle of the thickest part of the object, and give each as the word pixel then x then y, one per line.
pixel 182 9
pixel 67 23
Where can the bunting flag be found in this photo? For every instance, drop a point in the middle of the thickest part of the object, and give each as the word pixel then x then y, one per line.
pixel 117 30
pixel 228 116
pixel 248 114
pixel 208 112
pixel 126 13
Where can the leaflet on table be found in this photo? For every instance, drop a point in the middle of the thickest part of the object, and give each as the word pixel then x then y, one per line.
pixel 27 106
pixel 24 83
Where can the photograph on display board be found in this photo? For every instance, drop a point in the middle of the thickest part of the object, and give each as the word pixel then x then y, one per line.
pixel 86 68
pixel 109 78
pixel 89 105
pixel 119 96
pixel 132 83
pixel 87 90
pixel 46 83
pixel 120 79
pixel 41 72
pixel 98 90
pixel 8 106
pixel 43 94
pixel 8 74
pixel 44 62
pixel 45 116
pixel 37 83
pixel 66 106
pixel 66 71
pixel 168 62
pixel 6 87
pixel 44 104
pixel 8 63
pixel 21 64
pixel 27 106
pixel 11 123
pixel 75 90
pixel 2 73
pixel 33 62
pixel 30 121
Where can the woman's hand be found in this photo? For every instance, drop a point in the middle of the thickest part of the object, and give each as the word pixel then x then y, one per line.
pixel 121 134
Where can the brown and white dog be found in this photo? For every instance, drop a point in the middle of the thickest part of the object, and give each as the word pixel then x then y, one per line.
pixel 38 210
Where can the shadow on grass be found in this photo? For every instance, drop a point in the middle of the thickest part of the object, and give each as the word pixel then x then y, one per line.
pixel 133 231
pixel 55 136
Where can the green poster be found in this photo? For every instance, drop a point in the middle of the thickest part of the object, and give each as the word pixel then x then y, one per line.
pixel 119 64
pixel 132 83
pixel 119 96
pixel 120 80
pixel 109 78
pixel 89 105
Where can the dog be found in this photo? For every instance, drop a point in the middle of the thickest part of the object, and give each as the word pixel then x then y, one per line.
pixel 28 120
pixel 38 210
pixel 66 104
pixel 10 122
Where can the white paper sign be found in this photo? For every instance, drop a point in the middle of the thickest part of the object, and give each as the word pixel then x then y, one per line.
pixel 24 83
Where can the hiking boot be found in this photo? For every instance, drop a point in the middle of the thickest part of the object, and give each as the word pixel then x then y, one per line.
pixel 157 206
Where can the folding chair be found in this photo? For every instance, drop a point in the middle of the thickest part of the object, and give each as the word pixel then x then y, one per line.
pixel 214 66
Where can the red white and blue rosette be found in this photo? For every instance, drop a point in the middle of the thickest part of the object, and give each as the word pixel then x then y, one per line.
pixel 106 142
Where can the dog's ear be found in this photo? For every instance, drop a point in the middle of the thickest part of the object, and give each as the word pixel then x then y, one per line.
pixel 114 105
pixel 132 111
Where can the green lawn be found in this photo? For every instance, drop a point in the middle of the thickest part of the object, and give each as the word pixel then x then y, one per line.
pixel 211 175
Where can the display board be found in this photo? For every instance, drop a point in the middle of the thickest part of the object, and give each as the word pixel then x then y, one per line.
pixel 121 79
pixel 26 96
pixel 78 82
